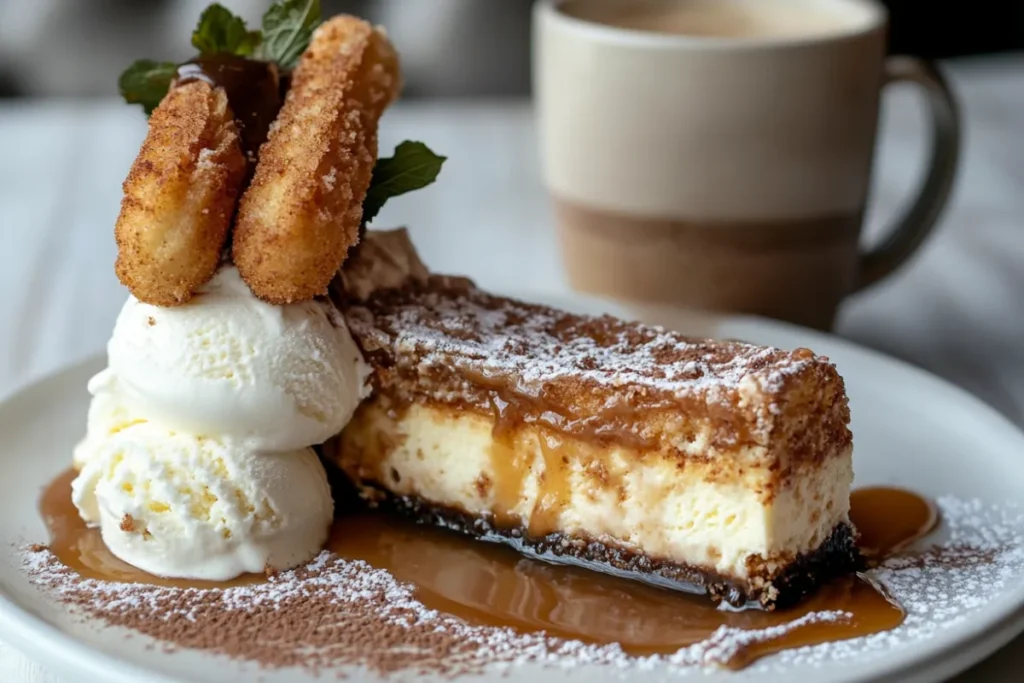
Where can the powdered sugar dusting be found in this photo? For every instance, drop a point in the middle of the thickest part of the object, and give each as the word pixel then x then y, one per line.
pixel 336 612
pixel 941 586
pixel 450 341
pixel 539 344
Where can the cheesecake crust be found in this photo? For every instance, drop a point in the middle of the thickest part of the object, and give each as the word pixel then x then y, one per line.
pixel 837 556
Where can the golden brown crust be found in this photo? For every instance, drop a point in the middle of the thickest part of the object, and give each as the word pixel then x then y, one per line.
pixel 180 196
pixel 444 341
pixel 302 211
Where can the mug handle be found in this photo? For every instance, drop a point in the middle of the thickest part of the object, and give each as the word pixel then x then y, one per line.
pixel 913 227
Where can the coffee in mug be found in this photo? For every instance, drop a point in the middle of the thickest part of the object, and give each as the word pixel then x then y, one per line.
pixel 718 18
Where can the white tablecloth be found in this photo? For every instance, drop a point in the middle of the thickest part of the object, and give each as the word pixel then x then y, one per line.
pixel 956 310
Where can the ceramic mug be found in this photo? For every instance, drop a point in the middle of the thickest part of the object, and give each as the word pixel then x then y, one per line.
pixel 718 153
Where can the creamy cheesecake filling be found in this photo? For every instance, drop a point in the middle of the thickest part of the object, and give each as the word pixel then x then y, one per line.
pixel 746 523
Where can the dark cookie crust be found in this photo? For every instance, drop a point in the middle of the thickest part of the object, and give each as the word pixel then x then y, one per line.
pixel 837 556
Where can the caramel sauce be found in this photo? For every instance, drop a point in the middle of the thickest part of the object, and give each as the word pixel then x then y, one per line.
pixel 512 469
pixel 491 584
pixel 890 519
pixel 508 479
pixel 512 407
pixel 555 487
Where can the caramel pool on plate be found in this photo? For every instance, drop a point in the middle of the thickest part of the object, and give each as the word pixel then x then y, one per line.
pixel 492 585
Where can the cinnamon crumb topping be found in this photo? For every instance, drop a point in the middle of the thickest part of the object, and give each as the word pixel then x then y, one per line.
pixel 443 340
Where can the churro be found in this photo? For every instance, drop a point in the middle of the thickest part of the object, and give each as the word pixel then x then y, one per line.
pixel 302 210
pixel 180 196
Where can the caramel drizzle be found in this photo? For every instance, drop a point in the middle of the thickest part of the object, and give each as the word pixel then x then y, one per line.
pixel 555 482
pixel 889 519
pixel 512 465
pixel 487 584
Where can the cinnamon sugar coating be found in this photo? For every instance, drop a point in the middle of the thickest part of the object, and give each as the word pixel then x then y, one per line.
pixel 301 212
pixel 442 340
pixel 180 196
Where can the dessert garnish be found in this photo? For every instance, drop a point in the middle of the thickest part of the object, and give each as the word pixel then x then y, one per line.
pixel 267 137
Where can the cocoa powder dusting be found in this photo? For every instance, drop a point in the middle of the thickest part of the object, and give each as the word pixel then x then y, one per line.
pixel 329 613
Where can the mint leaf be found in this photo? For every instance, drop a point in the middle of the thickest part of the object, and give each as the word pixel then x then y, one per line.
pixel 288 26
pixel 287 29
pixel 221 31
pixel 146 82
pixel 412 167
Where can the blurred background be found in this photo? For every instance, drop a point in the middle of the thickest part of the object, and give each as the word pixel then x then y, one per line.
pixel 76 48
pixel 68 139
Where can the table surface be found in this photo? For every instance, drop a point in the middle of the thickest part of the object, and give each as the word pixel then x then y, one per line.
pixel 956 309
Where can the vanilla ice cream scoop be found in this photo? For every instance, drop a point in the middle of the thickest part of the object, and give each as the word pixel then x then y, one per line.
pixel 225 364
pixel 184 506
pixel 109 413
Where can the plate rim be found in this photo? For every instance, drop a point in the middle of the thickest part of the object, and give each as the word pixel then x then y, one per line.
pixel 948 653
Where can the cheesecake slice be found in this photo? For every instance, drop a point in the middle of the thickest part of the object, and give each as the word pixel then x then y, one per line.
pixel 712 466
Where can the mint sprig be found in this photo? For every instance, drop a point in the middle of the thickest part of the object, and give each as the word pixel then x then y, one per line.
pixel 413 166
pixel 219 31
pixel 146 82
pixel 287 29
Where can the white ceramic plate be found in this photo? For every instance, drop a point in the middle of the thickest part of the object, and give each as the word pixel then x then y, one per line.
pixel 909 429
